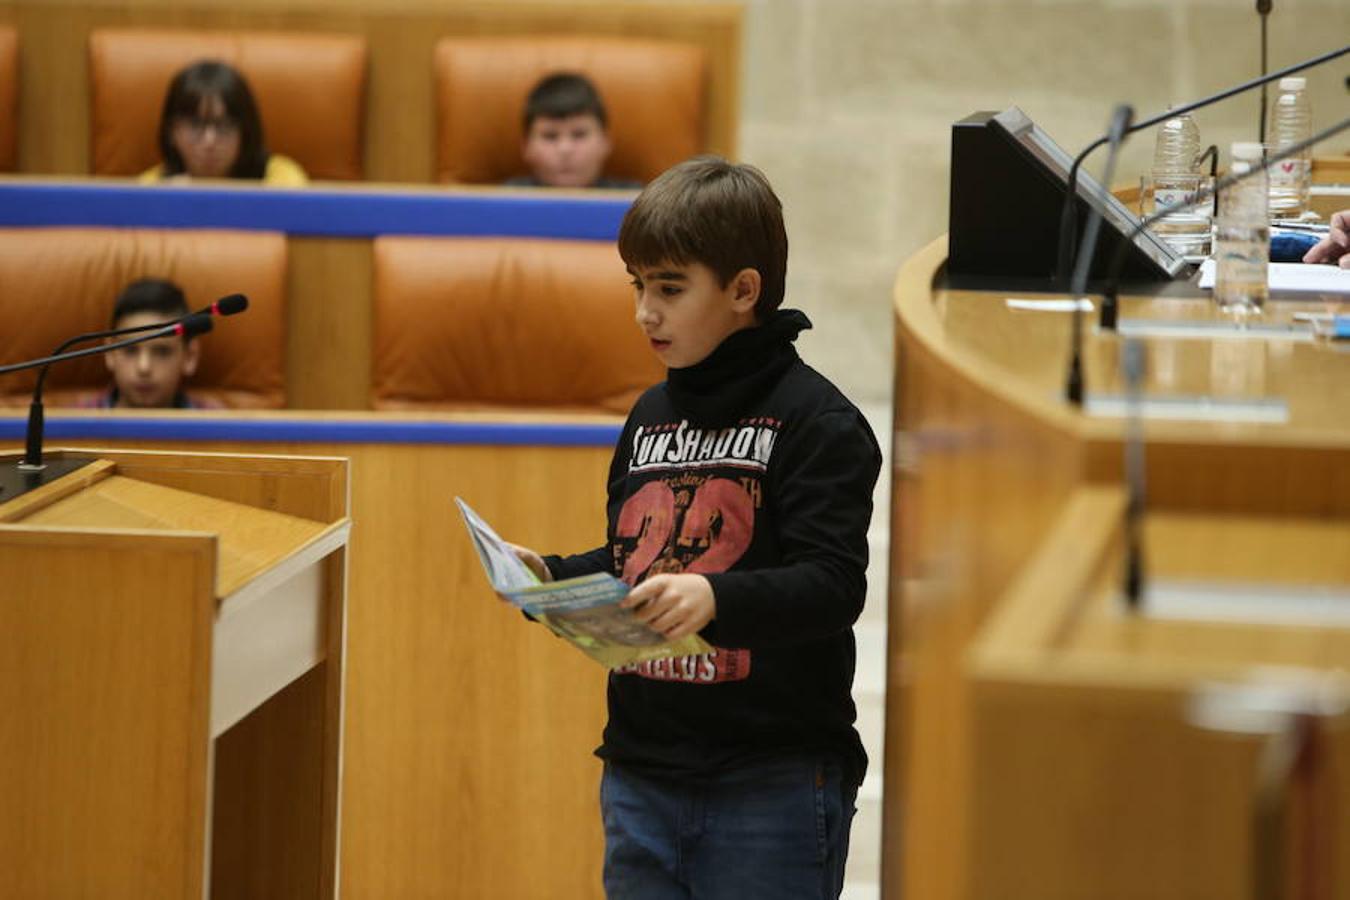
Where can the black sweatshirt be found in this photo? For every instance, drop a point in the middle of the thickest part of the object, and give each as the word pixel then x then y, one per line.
pixel 753 469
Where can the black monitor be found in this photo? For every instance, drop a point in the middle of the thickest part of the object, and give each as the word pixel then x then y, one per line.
pixel 1008 183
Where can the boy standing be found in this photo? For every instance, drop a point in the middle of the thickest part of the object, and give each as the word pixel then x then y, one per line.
pixel 566 139
pixel 150 375
pixel 739 499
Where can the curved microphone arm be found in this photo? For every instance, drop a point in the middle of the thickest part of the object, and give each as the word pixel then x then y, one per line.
pixel 1068 224
pixel 89 336
pixel 1110 302
pixel 195 324
pixel 225 306
pixel 1118 128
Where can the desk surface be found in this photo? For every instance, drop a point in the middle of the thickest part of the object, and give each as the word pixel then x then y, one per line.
pixel 1022 355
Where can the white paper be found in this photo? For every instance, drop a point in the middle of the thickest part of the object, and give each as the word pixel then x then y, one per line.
pixel 1303 277
pixel 1064 305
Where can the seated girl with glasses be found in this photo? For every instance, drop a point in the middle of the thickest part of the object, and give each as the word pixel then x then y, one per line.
pixel 210 128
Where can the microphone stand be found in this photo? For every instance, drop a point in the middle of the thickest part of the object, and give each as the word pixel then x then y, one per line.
pixel 1110 301
pixel 31 470
pixel 225 306
pixel 1119 127
pixel 1133 363
pixel 1263 10
pixel 1068 214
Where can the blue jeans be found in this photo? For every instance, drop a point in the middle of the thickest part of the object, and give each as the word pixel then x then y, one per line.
pixel 777 831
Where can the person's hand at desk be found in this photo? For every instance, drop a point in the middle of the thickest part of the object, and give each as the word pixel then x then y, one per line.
pixel 1333 249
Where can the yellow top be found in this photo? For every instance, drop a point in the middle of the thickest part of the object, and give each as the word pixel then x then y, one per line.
pixel 281 171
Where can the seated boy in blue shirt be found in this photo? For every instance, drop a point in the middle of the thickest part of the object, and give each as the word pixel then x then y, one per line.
pixel 150 375
pixel 740 495
pixel 566 141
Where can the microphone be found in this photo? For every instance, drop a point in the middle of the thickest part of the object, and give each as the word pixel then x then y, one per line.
pixel 1068 213
pixel 1110 302
pixel 1263 10
pixel 188 327
pixel 228 305
pixel 1116 131
pixel 1133 364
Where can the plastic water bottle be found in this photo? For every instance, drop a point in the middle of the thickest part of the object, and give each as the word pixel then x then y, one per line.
pixel 1176 177
pixel 1290 122
pixel 1175 154
pixel 1242 237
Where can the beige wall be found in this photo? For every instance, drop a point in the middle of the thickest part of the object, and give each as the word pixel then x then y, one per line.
pixel 848 106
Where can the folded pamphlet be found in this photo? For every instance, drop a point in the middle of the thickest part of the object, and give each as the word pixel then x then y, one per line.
pixel 584 611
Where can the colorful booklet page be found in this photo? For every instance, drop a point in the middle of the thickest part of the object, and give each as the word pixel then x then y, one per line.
pixel 584 611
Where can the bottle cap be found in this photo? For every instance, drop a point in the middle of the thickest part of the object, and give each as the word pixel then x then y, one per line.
pixel 1249 150
pixel 1293 83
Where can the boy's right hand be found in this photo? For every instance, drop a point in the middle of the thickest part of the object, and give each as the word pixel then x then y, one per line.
pixel 533 560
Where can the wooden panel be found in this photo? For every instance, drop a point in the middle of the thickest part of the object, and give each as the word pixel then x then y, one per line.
pixel 469 730
pixel 1085 715
pixel 105 652
pixel 976 484
pixel 277 792
pixel 1121 768
pixel 267 786
pixel 306 487
pixel 329 324
pixel 54 104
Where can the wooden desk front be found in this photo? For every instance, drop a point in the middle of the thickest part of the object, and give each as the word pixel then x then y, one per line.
pixel 986 454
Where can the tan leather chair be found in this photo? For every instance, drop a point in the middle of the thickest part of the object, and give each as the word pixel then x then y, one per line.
pixel 310 90
pixel 59 282
pixel 654 93
pixel 9 98
pixel 477 323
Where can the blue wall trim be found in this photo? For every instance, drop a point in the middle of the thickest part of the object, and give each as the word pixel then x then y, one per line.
pixel 308 431
pixel 314 211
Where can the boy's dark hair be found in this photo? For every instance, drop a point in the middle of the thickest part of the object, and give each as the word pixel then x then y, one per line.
pixel 199 81
pixel 150 295
pixel 710 211
pixel 562 95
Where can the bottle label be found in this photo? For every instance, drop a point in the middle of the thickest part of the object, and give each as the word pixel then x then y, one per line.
pixel 1172 196
pixel 1289 171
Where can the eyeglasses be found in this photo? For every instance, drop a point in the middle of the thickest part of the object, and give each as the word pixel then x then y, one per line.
pixel 197 126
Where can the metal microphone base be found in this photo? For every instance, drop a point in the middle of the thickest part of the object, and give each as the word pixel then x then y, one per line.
pixel 17 479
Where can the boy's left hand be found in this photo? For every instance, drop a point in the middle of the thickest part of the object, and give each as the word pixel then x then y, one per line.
pixel 674 605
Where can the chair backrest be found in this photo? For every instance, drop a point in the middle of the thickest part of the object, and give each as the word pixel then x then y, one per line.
pixel 9 97
pixel 59 282
pixel 310 90
pixel 654 93
pixel 474 323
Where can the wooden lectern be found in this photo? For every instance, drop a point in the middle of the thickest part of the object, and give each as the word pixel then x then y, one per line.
pixel 171 663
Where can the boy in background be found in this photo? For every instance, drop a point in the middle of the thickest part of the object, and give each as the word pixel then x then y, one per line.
pixel 566 141
pixel 150 375
pixel 740 495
